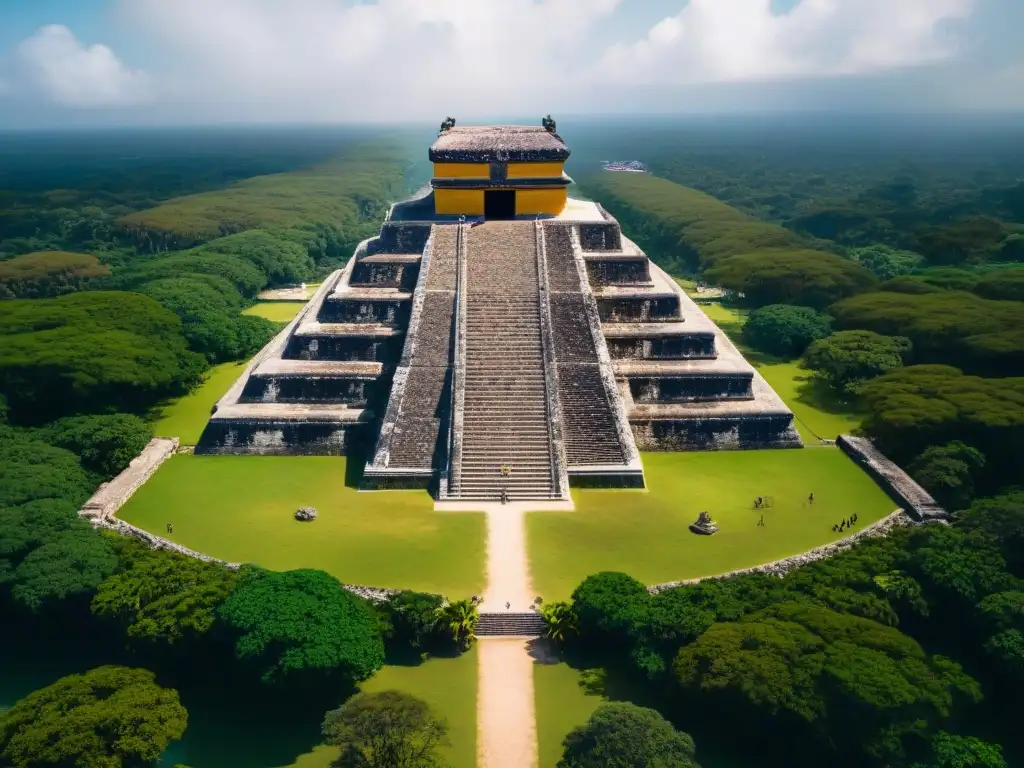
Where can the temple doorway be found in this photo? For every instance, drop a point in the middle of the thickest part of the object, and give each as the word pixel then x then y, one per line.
pixel 499 204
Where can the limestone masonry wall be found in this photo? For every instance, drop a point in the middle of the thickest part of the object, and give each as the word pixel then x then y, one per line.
pixel 915 499
pixel 781 567
pixel 110 497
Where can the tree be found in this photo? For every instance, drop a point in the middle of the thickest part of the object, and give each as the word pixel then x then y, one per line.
pixel 459 620
pixel 389 729
pixel 25 527
pixel 411 619
pixel 802 277
pixel 606 605
pixel 72 564
pixel 302 625
pixel 106 718
pixel 950 750
pixel 1003 285
pixel 886 262
pixel 106 444
pixel 559 621
pixel 48 273
pixel 860 685
pixel 162 596
pixel 847 359
pixel 910 409
pixel 950 327
pixel 31 469
pixel 948 472
pixel 91 352
pixel 1002 518
pixel 784 330
pixel 623 735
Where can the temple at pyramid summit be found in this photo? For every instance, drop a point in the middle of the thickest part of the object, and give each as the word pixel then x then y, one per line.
pixel 498 340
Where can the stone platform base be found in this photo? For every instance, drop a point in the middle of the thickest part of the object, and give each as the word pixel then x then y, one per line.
pixel 541 505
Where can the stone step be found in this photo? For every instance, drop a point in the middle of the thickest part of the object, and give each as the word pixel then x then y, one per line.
pixel 528 624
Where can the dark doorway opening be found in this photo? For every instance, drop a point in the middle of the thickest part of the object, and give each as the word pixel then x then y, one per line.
pixel 499 204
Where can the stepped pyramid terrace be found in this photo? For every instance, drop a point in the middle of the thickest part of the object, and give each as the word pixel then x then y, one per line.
pixel 499 339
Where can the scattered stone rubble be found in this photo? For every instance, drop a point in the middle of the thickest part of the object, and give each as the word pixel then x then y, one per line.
pixel 305 514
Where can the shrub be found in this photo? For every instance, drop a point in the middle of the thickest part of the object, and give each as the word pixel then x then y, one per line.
pixel 806 278
pixel 109 716
pixel 48 273
pixel 302 625
pixel 623 735
pixel 784 330
pixel 849 358
pixel 106 444
pixel 389 729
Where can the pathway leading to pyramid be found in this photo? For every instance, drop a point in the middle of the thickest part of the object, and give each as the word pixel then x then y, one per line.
pixel 506 721
pixel 506 726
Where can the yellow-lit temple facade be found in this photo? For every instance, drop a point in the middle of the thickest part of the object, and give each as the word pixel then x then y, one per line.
pixel 528 202
pixel 499 172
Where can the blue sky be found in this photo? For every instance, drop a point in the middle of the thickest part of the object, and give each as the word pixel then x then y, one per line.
pixel 71 62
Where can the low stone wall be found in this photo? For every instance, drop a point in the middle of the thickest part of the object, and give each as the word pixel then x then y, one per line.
pixel 376 594
pixel 781 567
pixel 110 497
pixel 897 483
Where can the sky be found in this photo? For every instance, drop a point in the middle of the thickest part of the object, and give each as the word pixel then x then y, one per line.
pixel 166 62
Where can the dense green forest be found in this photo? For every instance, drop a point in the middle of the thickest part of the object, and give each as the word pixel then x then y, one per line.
pixel 190 262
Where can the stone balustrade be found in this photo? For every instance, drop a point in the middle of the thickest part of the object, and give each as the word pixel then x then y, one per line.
pixel 897 483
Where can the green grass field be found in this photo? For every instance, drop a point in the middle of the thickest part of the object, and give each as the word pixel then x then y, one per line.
pixel 817 410
pixel 448 685
pixel 186 416
pixel 646 534
pixel 277 311
pixel 240 508
pixel 561 704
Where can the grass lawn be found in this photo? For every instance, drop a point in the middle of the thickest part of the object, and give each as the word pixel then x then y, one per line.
pixel 646 534
pixel 448 685
pixel 240 508
pixel 817 410
pixel 278 311
pixel 186 416
pixel 561 704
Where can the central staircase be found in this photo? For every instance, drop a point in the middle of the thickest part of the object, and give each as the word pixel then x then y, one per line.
pixel 506 420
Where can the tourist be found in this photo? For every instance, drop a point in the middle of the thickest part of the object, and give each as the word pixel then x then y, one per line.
pixel 761 521
pixel 170 528
pixel 810 499
pixel 507 605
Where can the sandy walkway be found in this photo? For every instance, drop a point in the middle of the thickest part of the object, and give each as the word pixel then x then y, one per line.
pixel 505 722
pixel 508 571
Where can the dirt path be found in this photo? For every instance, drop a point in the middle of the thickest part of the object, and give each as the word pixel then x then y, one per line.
pixel 508 569
pixel 506 724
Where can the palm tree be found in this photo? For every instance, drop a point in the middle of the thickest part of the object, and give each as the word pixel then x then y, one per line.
pixel 460 619
pixel 560 620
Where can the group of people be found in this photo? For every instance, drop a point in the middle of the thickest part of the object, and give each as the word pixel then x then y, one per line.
pixel 846 523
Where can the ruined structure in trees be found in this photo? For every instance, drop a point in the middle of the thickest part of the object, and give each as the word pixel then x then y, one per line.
pixel 499 339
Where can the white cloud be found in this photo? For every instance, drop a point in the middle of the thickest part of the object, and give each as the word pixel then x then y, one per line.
pixel 742 40
pixel 392 58
pixel 68 73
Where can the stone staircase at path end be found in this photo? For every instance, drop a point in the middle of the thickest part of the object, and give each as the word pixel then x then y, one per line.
pixel 510 623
